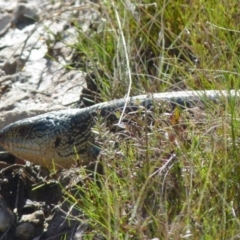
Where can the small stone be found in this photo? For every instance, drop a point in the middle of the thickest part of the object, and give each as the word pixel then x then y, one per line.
pixel 25 231
pixel 10 66
pixel 25 14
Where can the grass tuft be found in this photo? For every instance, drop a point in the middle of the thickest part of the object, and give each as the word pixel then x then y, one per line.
pixel 179 177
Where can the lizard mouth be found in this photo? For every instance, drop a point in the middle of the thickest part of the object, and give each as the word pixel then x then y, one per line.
pixel 13 145
pixel 5 141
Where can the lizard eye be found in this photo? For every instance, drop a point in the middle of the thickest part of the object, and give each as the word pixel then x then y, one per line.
pixel 23 131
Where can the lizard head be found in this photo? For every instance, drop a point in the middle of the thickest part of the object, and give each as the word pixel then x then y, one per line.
pixel 53 138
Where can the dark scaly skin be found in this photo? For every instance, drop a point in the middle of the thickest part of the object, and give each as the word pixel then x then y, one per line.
pixel 61 137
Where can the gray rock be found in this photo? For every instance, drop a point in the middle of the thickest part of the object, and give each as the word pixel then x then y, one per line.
pixel 8 6
pixel 5 22
pixel 10 66
pixel 25 231
pixel 25 14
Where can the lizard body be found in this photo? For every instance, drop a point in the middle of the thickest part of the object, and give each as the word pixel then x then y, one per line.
pixel 58 137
